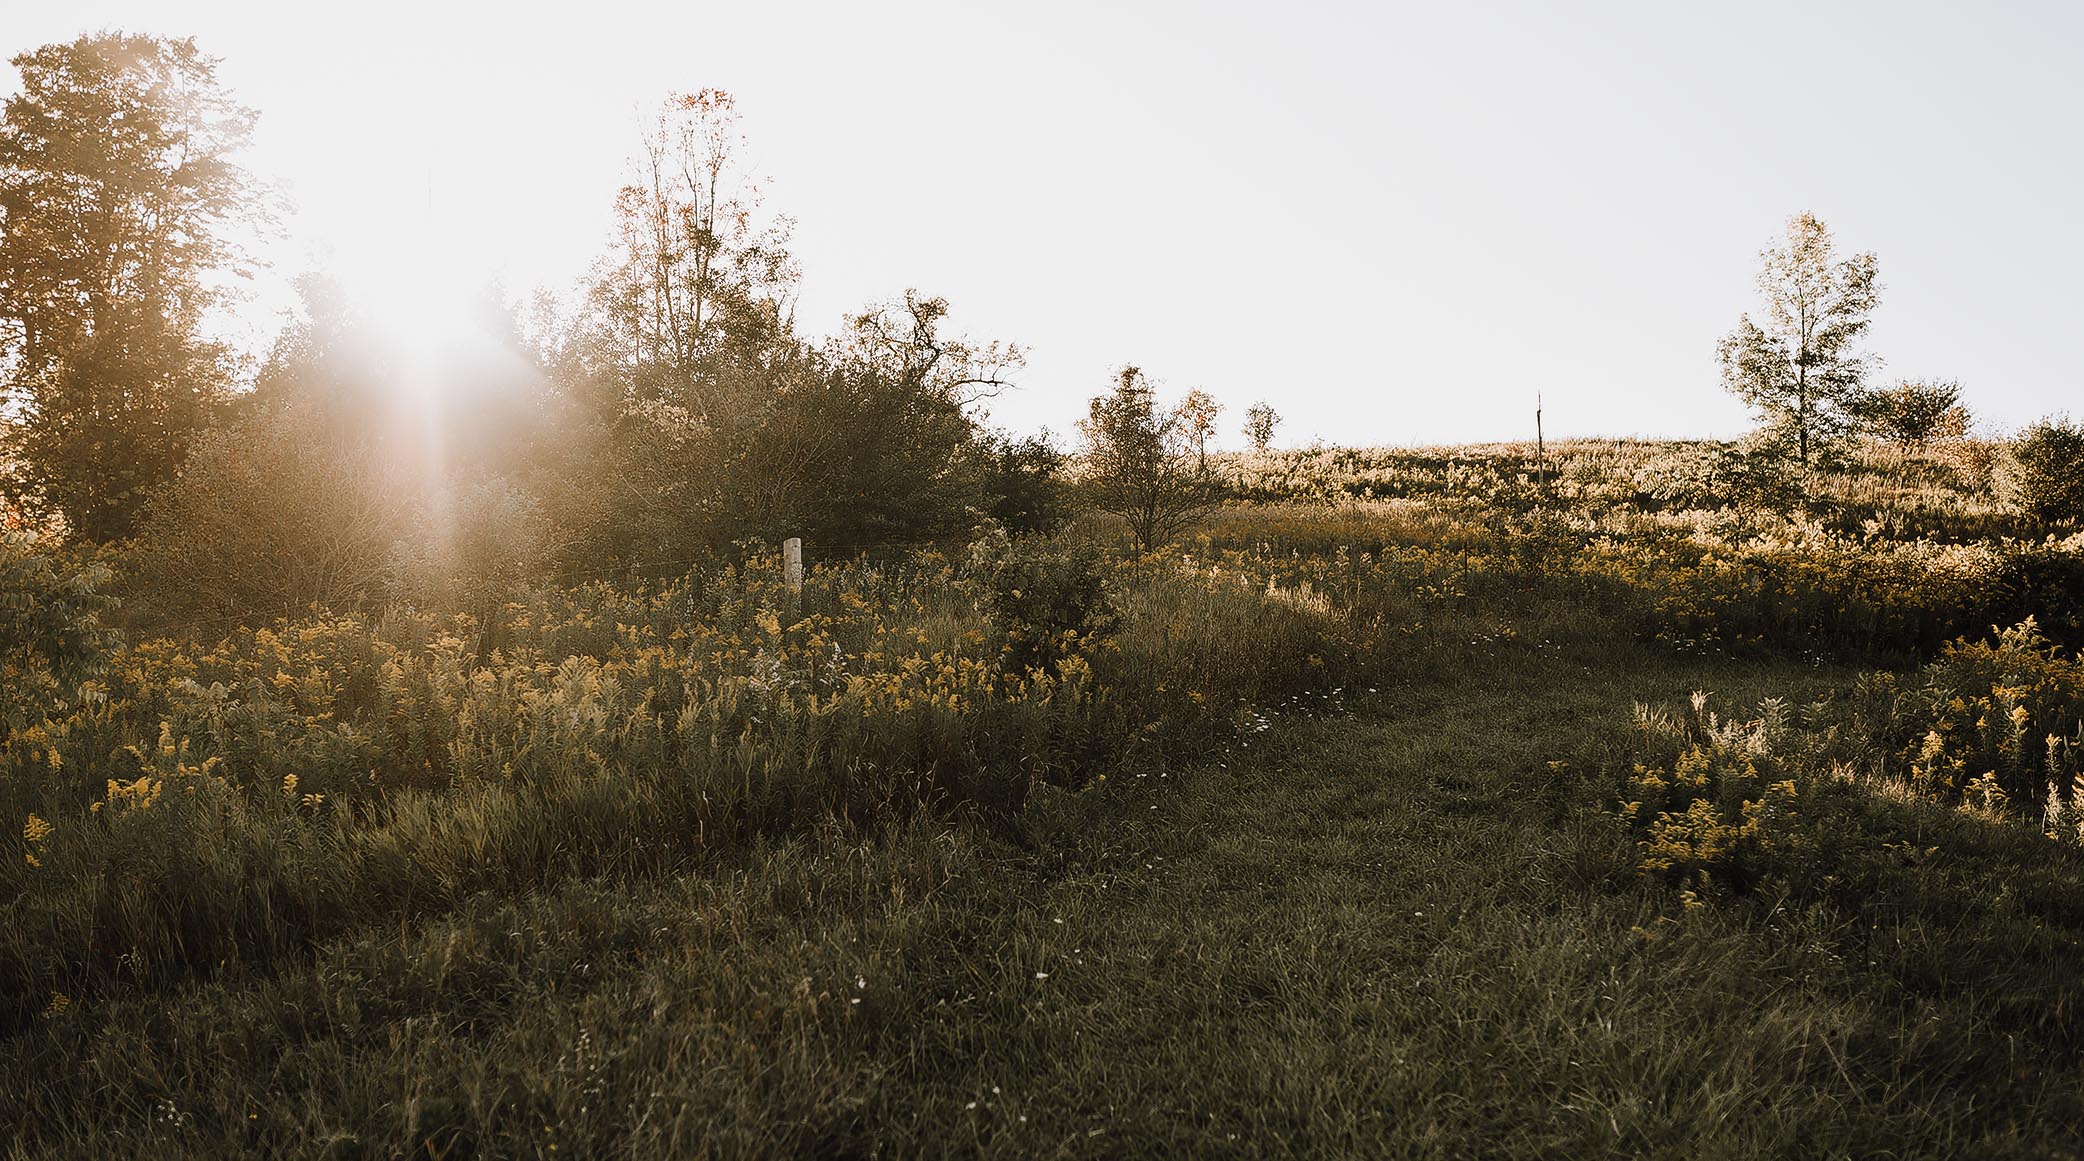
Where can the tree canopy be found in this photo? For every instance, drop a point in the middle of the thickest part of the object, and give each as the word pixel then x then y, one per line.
pixel 121 202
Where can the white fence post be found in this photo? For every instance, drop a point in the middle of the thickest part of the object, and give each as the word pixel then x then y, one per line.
pixel 792 563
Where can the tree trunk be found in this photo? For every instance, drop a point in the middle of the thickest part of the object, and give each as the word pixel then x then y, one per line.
pixel 1802 416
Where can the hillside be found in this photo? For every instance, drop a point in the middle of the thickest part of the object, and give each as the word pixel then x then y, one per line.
pixel 1509 812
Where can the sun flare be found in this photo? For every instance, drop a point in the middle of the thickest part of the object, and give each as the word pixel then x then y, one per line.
pixel 417 293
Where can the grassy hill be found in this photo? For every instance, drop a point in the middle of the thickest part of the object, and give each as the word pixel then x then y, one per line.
pixel 1423 802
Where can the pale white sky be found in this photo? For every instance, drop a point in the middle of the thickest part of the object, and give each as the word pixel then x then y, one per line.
pixel 1393 221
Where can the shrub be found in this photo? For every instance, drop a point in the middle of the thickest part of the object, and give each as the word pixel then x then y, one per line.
pixel 858 453
pixel 1023 482
pixel 2044 583
pixel 1914 413
pixel 1047 601
pixel 51 636
pixel 1973 462
pixel 1753 476
pixel 1995 724
pixel 489 546
pixel 270 517
pixel 2045 472
pixel 1718 813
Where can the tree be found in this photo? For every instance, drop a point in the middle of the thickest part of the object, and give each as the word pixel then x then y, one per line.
pixel 694 269
pixel 701 415
pixel 1260 421
pixel 1136 462
pixel 1914 413
pixel 1198 412
pixel 678 354
pixel 1800 369
pixel 120 204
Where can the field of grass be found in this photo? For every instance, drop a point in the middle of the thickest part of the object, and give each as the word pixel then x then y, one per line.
pixel 1416 805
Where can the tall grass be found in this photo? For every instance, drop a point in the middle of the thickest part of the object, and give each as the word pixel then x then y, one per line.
pixel 210 810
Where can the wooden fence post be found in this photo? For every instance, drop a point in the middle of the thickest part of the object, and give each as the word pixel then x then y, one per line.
pixel 1541 457
pixel 792 564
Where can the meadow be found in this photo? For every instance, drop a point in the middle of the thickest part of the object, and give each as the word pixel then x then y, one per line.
pixel 1416 802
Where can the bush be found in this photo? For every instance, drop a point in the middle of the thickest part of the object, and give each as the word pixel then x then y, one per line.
pixel 271 517
pixel 51 636
pixel 2044 583
pixel 1754 476
pixel 2045 473
pixel 1023 483
pixel 1973 462
pixel 1047 601
pixel 859 454
pixel 1914 413
pixel 1709 803
pixel 1994 727
pixel 492 545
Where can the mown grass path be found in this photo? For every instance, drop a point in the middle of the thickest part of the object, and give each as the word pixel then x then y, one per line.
pixel 1401 932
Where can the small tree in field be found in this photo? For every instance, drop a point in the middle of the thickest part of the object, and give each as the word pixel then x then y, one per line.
pixel 1800 369
pixel 1260 421
pixel 1198 411
pixel 1137 463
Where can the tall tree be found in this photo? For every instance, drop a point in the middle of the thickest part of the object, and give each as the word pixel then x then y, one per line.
pixel 696 273
pixel 1137 464
pixel 121 202
pixel 680 347
pixel 1799 366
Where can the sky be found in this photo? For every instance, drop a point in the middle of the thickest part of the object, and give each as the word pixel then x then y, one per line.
pixel 1396 223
